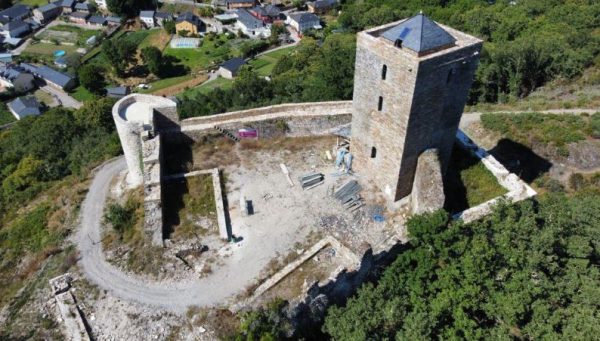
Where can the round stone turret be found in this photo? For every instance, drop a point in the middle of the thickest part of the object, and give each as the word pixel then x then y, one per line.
pixel 134 115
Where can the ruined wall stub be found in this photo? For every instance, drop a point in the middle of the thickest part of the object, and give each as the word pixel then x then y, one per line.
pixel 428 188
pixel 413 105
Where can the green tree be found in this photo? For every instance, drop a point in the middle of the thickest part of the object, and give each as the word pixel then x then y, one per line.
pixel 129 8
pixel 120 53
pixel 91 77
pixel 96 114
pixel 169 26
pixel 154 60
pixel 528 271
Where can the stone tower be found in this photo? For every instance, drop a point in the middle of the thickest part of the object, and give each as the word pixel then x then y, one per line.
pixel 411 83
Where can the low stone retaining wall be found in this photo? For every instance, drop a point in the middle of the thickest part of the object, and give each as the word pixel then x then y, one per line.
pixel 306 255
pixel 219 203
pixel 298 119
pixel 517 189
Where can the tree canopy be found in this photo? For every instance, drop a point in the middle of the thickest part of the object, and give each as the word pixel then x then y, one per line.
pixel 309 73
pixel 129 8
pixel 529 271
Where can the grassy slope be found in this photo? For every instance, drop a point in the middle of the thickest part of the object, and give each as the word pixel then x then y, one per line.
pixel 265 63
pixel 468 183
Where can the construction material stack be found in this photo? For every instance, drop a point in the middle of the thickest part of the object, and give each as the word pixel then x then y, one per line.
pixel 348 195
pixel 311 180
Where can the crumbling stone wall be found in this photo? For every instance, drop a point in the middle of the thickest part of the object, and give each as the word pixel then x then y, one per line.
pixel 422 99
pixel 428 188
pixel 152 176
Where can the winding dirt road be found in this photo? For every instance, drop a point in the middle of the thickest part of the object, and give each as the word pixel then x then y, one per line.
pixel 126 286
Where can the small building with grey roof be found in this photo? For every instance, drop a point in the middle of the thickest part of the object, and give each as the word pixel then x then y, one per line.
pixel 24 106
pixel 230 68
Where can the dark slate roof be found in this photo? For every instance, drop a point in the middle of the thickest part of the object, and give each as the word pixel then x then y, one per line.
pixel 10 72
pixel 163 15
pixel 114 19
pixel 22 103
pixel 118 91
pixel 146 14
pixel 65 3
pixel 188 16
pixel 53 76
pixel 323 4
pixel 14 25
pixel 82 6
pixel 304 17
pixel 28 67
pixel 15 12
pixel 248 19
pixel 47 8
pixel 233 64
pixel 419 34
pixel 97 19
pixel 269 10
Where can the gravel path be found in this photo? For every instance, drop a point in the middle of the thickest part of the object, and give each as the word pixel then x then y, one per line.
pixel 128 287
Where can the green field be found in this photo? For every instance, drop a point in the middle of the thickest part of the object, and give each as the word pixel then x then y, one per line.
pixel 263 65
pixel 165 83
pixel 468 183
pixel 82 34
pixel 206 87
pixel 33 2
pixel 209 54
pixel 82 94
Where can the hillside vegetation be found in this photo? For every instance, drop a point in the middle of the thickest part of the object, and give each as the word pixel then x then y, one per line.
pixel 527 44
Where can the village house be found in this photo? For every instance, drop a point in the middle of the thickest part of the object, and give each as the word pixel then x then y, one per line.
pixel 24 106
pixel 52 77
pixel 117 92
pixel 161 17
pixel 303 21
pixel 83 7
pixel 65 5
pixel 268 14
pixel 79 17
pixel 235 4
pixel 46 13
pixel 113 20
pixel 321 6
pixel 14 13
pixel 96 21
pixel 15 29
pixel 190 23
pixel 230 68
pixel 252 26
pixel 11 76
pixel 147 18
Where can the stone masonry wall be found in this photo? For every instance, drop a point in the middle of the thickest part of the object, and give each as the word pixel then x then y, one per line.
pixel 152 174
pixel 421 106
pixel 428 188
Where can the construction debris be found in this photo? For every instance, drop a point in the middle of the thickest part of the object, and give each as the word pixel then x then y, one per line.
pixel 311 180
pixel 348 195
pixel 286 172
